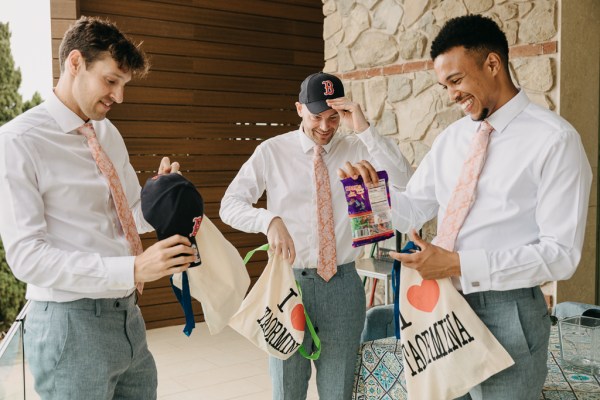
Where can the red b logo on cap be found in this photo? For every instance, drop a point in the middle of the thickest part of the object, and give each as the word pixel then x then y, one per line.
pixel 197 222
pixel 328 88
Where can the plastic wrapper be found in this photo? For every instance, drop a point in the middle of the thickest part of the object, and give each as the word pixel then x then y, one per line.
pixel 369 210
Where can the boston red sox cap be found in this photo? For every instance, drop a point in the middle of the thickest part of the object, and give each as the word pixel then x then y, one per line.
pixel 318 87
pixel 173 206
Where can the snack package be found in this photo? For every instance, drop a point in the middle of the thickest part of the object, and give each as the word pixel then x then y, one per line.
pixel 369 210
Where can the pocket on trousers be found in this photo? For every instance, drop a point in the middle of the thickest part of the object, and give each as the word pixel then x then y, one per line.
pixel 504 321
pixel 46 335
pixel 61 328
pixel 37 322
pixel 138 329
pixel 535 323
pixel 357 296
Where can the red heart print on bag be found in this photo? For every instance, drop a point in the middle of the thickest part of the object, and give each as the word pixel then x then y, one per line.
pixel 298 319
pixel 424 297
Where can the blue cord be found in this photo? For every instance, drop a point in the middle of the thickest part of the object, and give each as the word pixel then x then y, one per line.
pixel 185 299
pixel 410 246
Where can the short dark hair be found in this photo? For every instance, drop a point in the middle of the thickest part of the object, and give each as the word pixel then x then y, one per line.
pixel 94 36
pixel 473 32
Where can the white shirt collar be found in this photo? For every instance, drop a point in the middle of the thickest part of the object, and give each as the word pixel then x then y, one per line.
pixel 63 115
pixel 505 114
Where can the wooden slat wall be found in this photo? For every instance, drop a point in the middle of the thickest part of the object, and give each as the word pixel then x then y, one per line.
pixel 225 75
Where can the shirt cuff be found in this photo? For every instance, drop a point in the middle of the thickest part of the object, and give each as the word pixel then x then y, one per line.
pixel 120 272
pixel 474 267
pixel 366 136
pixel 264 220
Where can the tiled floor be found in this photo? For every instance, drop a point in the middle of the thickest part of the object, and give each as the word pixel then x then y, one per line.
pixel 204 367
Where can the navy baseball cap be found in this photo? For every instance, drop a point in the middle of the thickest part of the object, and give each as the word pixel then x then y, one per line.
pixel 173 206
pixel 317 88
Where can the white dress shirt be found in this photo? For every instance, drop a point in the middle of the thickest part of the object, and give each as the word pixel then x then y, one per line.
pixel 528 220
pixel 283 166
pixel 58 221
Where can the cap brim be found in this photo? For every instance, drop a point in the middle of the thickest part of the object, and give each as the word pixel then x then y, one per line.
pixel 317 107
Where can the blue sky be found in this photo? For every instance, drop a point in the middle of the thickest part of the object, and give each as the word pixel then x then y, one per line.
pixel 30 43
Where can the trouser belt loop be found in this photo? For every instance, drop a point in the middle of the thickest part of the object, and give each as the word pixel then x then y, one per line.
pixel 46 304
pixel 98 308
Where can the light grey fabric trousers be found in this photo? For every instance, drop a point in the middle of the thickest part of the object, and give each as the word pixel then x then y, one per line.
pixel 337 310
pixel 520 321
pixel 89 349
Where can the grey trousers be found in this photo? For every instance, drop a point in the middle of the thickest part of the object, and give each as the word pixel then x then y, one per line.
pixel 337 310
pixel 89 349
pixel 520 321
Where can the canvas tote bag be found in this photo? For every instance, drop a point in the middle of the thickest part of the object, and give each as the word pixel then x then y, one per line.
pixel 272 315
pixel 221 281
pixel 447 350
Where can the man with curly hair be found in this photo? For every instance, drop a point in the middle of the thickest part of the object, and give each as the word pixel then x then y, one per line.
pixel 70 214
pixel 526 223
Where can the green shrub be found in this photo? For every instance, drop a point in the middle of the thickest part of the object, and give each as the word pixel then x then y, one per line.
pixel 12 294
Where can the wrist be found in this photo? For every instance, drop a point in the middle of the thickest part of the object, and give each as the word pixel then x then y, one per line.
pixel 361 127
pixel 273 221
pixel 456 264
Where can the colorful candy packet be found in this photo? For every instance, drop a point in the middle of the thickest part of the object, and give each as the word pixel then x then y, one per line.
pixel 369 210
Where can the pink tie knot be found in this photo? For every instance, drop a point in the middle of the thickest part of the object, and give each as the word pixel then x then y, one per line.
pixel 87 130
pixel 486 127
pixel 318 150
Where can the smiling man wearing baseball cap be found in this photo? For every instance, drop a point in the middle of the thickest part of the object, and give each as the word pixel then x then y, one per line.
pixel 306 220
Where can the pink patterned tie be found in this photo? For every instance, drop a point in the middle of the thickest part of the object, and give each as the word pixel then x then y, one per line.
pixel 463 195
pixel 327 263
pixel 122 206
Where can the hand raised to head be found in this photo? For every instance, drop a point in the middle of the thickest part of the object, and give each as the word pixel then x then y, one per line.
pixel 350 113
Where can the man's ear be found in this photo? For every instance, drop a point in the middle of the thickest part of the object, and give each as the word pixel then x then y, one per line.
pixel 74 62
pixel 299 109
pixel 493 63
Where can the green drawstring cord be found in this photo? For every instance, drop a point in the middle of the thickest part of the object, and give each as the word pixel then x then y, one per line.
pixel 315 355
